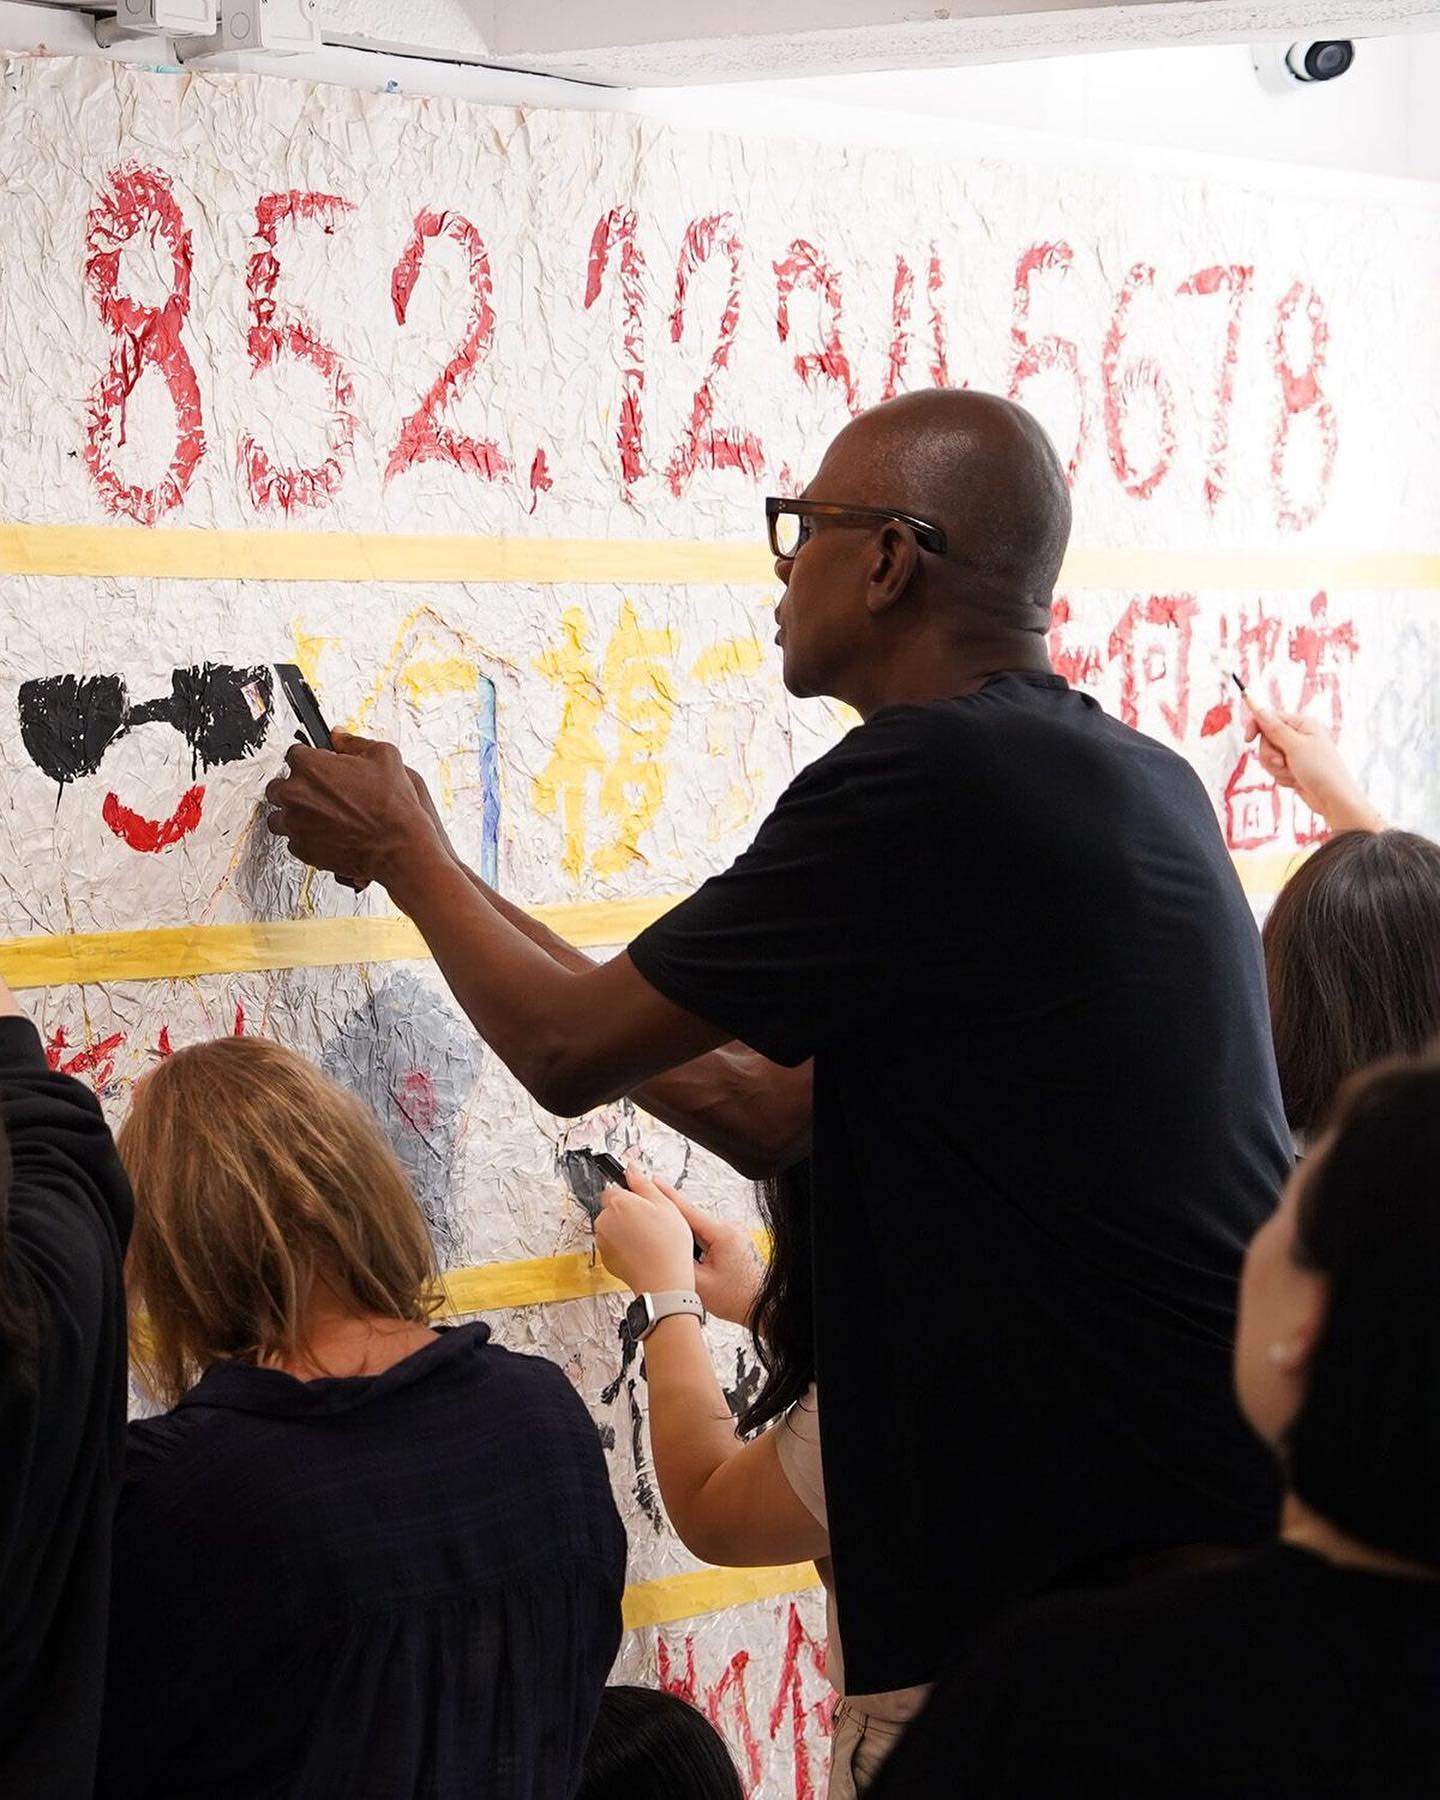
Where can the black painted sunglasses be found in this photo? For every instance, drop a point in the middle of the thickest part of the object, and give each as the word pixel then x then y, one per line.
pixel 68 722
pixel 790 527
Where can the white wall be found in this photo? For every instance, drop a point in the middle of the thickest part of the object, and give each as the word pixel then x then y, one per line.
pixel 1380 118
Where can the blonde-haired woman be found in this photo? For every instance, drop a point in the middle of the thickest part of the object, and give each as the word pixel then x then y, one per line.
pixel 359 1555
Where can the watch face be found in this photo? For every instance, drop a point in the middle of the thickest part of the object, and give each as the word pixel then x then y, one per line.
pixel 637 1318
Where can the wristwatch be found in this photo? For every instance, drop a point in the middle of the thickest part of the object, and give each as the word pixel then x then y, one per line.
pixel 646 1311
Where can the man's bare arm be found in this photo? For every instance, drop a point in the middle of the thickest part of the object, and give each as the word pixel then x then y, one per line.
pixel 752 1112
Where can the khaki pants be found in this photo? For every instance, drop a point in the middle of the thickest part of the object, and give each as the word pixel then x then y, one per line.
pixel 858 1746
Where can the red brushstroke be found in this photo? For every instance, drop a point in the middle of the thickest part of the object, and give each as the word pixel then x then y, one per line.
pixel 97 1060
pixel 1317 647
pixel 141 199
pixel 726 1697
pixel 901 336
pixel 239 1029
pixel 422 438
pixel 1301 393
pixel 1149 653
pixel 541 480
pixel 1120 390
pixel 1252 806
pixel 1234 278
pixel 900 303
pixel 805 267
pixel 163 1049
pixel 790 1697
pixel 271 335
pixel 1034 355
pixel 417 1101
pixel 1078 663
pixel 617 227
pixel 150 835
pixel 704 444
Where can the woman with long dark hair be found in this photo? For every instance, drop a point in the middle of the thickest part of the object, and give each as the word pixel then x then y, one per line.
pixel 733 1501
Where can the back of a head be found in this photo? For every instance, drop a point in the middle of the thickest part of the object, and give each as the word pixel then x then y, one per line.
pixel 257 1181
pixel 649 1745
pixel 1364 1449
pixel 1352 957
pixel 984 469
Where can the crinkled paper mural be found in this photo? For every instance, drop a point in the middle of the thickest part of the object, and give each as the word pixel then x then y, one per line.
pixel 244 307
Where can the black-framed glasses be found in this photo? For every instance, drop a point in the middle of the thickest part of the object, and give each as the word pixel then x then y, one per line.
pixel 790 523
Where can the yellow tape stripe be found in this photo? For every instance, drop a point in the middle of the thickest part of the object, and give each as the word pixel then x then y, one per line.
pixel 202 555
pixel 174 953
pixel 537 1281
pixel 675 1597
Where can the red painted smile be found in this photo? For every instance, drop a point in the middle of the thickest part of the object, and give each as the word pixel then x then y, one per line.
pixel 141 833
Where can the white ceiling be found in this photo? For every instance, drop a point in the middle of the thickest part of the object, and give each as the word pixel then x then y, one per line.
pixel 636 43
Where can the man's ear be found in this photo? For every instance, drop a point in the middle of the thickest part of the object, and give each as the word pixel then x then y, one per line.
pixel 894 558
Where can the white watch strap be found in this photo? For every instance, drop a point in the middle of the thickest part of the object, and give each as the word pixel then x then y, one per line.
pixel 666 1305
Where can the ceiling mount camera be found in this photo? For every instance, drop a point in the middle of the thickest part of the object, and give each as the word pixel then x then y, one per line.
pixel 1320 59
pixel 1326 59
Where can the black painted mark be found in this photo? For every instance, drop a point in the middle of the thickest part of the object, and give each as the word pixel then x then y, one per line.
pixel 68 722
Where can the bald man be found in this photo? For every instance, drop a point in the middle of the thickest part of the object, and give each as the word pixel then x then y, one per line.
pixel 988 959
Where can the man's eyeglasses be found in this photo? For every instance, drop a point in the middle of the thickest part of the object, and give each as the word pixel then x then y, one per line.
pixel 791 523
pixel 68 722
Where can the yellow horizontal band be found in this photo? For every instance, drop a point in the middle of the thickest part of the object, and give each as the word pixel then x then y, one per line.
pixel 173 953
pixel 675 1597
pixel 278 555
pixel 180 952
pixel 537 1281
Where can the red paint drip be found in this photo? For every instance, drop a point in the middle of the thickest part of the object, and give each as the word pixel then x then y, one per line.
pixel 135 199
pixel 96 1060
pixel 541 480
pixel 422 438
pixel 140 833
pixel 271 336
pixel 704 443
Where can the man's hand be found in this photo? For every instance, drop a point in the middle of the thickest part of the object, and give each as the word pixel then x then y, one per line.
pixel 1301 754
pixel 355 810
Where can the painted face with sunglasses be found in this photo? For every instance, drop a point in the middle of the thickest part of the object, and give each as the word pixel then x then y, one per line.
pixel 69 722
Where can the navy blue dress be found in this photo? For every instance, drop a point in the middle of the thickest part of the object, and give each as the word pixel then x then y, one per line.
pixel 396 1587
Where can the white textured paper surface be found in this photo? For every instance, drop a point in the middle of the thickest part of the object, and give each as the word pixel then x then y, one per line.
pixel 226 302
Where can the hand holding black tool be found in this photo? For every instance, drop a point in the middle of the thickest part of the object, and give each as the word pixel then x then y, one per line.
pixel 306 708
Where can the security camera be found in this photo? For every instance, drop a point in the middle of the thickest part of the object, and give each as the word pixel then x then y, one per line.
pixel 1324 59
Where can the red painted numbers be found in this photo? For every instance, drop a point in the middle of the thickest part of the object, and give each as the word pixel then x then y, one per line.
pixel 703 443
pixel 1120 390
pixel 804 267
pixel 1034 355
pixel 140 201
pixel 274 334
pixel 422 438
pixel 1235 281
pixel 616 231
pixel 1301 393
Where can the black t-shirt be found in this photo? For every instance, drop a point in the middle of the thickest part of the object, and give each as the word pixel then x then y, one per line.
pixel 1284 1677
pixel 67 1216
pixel 1047 1122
